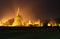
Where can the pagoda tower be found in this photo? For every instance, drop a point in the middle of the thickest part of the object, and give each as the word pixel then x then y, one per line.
pixel 18 19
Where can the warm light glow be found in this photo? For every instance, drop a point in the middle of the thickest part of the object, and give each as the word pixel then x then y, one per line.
pixel 18 21
pixel 1 24
pixel 29 23
pixel 52 23
pixel 59 24
pixel 38 23
pixel 49 24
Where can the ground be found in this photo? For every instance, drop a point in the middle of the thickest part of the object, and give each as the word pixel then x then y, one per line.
pixel 29 33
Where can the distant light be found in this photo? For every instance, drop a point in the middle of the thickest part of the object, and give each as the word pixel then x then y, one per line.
pixel 59 24
pixel 49 24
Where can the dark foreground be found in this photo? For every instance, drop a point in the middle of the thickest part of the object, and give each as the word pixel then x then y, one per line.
pixel 29 32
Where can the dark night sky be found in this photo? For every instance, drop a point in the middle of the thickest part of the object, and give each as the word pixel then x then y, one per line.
pixel 30 9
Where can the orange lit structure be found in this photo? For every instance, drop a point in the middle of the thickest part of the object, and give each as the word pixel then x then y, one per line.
pixel 52 23
pixel 18 21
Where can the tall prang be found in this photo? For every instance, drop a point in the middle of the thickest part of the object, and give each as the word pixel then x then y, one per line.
pixel 18 19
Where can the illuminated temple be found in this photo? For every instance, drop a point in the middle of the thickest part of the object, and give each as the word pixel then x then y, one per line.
pixel 18 21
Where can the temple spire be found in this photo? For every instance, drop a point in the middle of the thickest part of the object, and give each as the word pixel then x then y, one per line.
pixel 17 13
pixel 18 19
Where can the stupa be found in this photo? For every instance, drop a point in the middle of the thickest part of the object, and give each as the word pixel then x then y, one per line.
pixel 18 19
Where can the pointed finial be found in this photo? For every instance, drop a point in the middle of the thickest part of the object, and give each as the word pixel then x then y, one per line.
pixel 17 12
